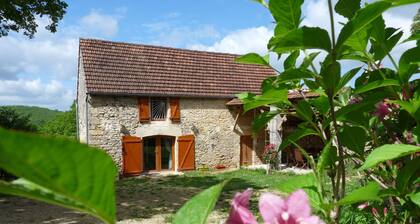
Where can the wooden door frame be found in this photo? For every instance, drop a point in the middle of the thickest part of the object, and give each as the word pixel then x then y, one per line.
pixel 158 152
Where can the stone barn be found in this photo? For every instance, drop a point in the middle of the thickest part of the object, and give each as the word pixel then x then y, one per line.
pixel 159 109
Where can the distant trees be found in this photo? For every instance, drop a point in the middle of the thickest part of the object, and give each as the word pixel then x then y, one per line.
pixel 22 15
pixel 10 119
pixel 415 26
pixel 63 124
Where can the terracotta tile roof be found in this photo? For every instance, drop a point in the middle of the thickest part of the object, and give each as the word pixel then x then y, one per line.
pixel 114 68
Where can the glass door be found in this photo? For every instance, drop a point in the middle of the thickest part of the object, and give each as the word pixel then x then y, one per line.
pixel 149 153
pixel 166 152
pixel 158 153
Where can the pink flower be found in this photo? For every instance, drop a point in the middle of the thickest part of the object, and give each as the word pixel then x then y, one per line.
pixel 274 210
pixel 382 109
pixel 293 210
pixel 362 206
pixel 239 212
pixel 375 212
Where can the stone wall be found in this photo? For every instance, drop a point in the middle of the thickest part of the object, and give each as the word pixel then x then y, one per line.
pixel 211 122
pixel 110 119
pixel 208 119
pixel 81 103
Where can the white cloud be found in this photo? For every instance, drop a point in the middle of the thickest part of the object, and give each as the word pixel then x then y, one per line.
pixel 240 41
pixel 102 24
pixel 35 92
pixel 25 63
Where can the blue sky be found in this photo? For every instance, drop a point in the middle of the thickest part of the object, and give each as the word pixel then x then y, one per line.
pixel 43 71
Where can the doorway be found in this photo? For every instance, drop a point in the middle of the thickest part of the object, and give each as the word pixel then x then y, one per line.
pixel 158 153
pixel 246 150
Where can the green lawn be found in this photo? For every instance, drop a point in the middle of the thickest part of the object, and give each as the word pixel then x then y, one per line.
pixel 145 197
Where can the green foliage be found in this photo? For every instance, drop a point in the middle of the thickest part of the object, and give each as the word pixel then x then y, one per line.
pixel 388 152
pixel 271 96
pixel 383 108
pixel 21 15
pixel 63 124
pixel 37 115
pixel 261 121
pixel 376 84
pixel 299 39
pixel 347 8
pixel 287 14
pixel 10 119
pixel 354 138
pixel 370 192
pixel 253 58
pixel 197 209
pixel 59 171
pixel 307 183
pixel 409 64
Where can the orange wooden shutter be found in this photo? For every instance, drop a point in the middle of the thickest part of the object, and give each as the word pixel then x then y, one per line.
pixel 186 152
pixel 175 110
pixel 144 110
pixel 132 155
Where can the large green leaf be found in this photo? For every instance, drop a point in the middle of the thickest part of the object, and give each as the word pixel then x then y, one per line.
pixel 364 17
pixel 271 96
pixel 321 104
pixel 331 77
pixel 300 39
pixel 308 60
pixel 262 120
pixel 415 197
pixel 407 174
pixel 409 64
pixel 347 8
pixel 197 209
pixel 253 58
pixel 376 84
pixel 388 152
pixel 296 135
pixel 294 75
pixel 347 77
pixel 59 171
pixel 383 39
pixel 305 182
pixel 328 157
pixel 412 106
pixel 286 13
pixel 370 192
pixel 291 60
pixel 304 111
pixel 354 138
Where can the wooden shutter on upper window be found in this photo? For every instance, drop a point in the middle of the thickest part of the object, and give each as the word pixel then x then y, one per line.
pixel 175 110
pixel 144 109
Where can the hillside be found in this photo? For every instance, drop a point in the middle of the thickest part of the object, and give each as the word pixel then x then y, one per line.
pixel 38 115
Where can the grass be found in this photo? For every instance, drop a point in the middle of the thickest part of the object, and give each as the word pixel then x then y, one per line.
pixel 149 196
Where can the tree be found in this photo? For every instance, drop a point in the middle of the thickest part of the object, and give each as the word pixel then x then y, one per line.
pixel 17 15
pixel 415 27
pixel 10 119
pixel 63 124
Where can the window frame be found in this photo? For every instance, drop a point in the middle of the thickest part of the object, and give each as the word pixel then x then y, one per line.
pixel 154 99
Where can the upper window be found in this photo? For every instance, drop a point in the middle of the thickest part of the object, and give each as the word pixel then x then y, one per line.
pixel 158 109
